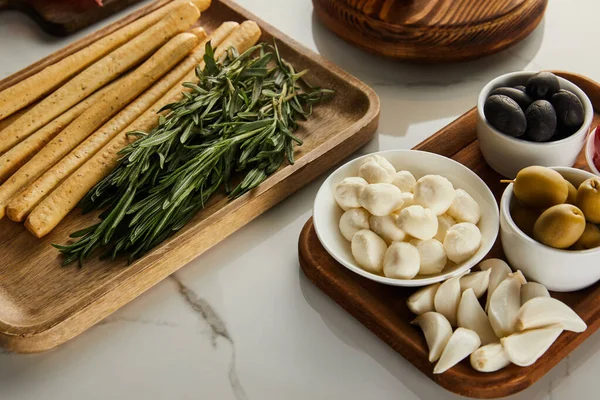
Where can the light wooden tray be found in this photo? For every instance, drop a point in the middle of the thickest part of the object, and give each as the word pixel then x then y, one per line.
pixel 43 305
pixel 383 308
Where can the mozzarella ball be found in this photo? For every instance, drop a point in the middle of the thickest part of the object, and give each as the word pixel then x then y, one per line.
pixel 444 223
pixel 434 192
pixel 368 250
pixel 381 160
pixel 401 261
pixel 407 200
pixel 462 241
pixel 418 222
pixel 464 208
pixel 374 172
pixel 381 198
pixel 353 221
pixel 404 181
pixel 433 256
pixel 385 226
pixel 348 191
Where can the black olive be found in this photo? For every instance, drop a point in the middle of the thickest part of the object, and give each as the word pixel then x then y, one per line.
pixel 522 98
pixel 504 114
pixel 521 88
pixel 541 121
pixel 542 85
pixel 569 111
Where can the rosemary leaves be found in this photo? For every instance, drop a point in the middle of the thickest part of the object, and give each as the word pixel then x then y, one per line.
pixel 237 119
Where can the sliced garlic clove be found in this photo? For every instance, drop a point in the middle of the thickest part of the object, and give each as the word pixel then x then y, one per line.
pixel 478 281
pixel 470 315
pixel 545 311
pixel 524 348
pixel 437 331
pixel 447 298
pixel 421 301
pixel 532 290
pixel 500 271
pixel 462 343
pixel 489 358
pixel 490 263
pixel 505 304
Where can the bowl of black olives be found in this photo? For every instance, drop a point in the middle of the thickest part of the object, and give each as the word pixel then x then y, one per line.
pixel 532 118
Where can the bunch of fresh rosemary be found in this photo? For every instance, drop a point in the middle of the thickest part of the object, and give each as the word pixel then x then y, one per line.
pixel 238 117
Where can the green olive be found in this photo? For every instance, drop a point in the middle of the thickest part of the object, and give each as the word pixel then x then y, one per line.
pixel 540 187
pixel 524 217
pixel 559 226
pixel 572 197
pixel 589 239
pixel 588 199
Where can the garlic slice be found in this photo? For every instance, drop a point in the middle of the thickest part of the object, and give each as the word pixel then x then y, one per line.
pixel 489 358
pixel 478 281
pixel 524 348
pixel 470 315
pixel 461 344
pixel 505 304
pixel 532 290
pixel 421 301
pixel 447 298
pixel 500 271
pixel 437 331
pixel 545 311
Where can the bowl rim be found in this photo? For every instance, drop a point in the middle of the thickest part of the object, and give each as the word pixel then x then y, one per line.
pixel 589 151
pixel 506 199
pixel 493 84
pixel 464 269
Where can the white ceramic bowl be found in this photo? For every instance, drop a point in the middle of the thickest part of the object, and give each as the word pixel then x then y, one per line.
pixel 558 270
pixel 508 155
pixel 589 152
pixel 326 212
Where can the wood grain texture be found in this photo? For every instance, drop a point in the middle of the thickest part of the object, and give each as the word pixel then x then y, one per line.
pixel 431 30
pixel 383 308
pixel 42 305
pixel 63 17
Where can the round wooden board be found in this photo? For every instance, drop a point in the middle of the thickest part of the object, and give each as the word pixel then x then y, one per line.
pixel 431 30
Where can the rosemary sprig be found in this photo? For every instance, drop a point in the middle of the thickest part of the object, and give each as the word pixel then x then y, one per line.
pixel 239 117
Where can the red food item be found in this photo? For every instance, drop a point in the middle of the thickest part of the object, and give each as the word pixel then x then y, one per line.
pixel 596 157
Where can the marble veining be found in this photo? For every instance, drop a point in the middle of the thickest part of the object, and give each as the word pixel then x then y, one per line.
pixel 122 319
pixel 218 330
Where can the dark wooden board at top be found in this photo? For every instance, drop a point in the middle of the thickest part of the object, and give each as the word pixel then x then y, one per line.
pixel 431 30
pixel 63 17
pixel 43 305
pixel 383 308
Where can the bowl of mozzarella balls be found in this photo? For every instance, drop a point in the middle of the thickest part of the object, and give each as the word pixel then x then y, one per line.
pixel 406 217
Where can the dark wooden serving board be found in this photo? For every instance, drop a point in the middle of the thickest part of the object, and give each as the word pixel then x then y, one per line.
pixel 383 308
pixel 63 17
pixel 431 30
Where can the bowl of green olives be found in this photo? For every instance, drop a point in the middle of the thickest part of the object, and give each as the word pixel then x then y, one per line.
pixel 532 118
pixel 550 226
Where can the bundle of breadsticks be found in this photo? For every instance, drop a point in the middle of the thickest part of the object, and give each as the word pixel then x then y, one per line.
pixel 62 128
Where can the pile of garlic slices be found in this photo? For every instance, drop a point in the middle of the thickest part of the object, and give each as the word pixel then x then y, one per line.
pixel 402 227
pixel 520 321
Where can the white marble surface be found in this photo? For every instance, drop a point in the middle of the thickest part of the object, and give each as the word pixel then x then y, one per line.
pixel 241 321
